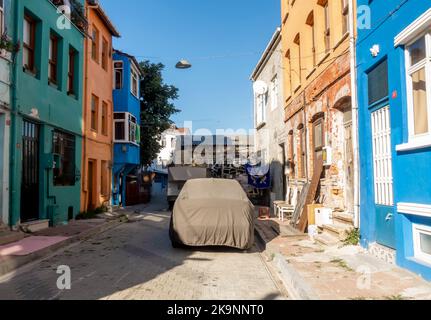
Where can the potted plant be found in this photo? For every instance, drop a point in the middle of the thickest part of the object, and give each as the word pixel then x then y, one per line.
pixel 7 45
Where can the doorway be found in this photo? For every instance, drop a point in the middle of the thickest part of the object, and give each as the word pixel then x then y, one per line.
pixel 90 185
pixel 348 159
pixel 30 172
pixel 2 165
pixel 383 178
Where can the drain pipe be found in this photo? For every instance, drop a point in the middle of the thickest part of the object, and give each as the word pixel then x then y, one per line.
pixel 354 97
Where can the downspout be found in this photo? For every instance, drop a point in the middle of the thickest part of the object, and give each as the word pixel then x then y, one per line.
pixel 14 113
pixel 354 97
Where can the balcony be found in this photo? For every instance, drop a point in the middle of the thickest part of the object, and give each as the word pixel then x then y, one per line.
pixel 77 13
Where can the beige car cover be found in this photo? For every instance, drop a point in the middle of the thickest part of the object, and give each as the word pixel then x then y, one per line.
pixel 214 212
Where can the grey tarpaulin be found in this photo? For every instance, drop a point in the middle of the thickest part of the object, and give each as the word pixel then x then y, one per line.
pixel 214 212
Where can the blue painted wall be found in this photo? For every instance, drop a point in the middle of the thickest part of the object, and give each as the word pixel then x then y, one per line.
pixel 124 100
pixel 411 170
pixel 126 155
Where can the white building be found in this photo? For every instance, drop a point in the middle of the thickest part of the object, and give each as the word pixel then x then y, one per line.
pixel 270 136
pixel 5 64
pixel 168 143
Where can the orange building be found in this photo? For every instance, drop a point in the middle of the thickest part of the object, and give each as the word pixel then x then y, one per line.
pixel 98 110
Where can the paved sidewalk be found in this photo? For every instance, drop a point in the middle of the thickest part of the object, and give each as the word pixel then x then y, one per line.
pixel 45 242
pixel 311 271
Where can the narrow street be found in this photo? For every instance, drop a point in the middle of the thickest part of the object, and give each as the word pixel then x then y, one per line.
pixel 136 261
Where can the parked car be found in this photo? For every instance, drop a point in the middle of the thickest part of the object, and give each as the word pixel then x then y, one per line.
pixel 212 212
pixel 178 176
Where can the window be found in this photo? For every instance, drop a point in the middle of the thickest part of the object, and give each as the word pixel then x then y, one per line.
pixel 53 59
pixel 133 129
pixel 29 35
pixel 126 128
pixel 104 178
pixel 289 68
pixel 378 87
pixel 419 94
pixel 274 93
pixel 64 148
pixel 94 112
pixel 261 104
pixel 311 35
pixel 2 26
pixel 318 139
pixel 297 64
pixel 292 154
pixel 134 82
pixel 71 72
pixel 104 118
pixel 302 146
pixel 118 75
pixel 105 54
pixel 95 44
pixel 327 32
pixel 422 242
pixel 345 16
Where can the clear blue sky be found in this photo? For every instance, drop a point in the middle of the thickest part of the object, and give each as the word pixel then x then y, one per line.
pixel 223 39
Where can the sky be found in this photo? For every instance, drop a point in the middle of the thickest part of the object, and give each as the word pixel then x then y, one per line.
pixel 222 39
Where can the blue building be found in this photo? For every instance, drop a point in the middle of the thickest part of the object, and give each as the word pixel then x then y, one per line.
pixel 127 76
pixel 394 90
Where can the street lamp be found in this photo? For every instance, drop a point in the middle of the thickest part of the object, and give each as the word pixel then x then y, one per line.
pixel 183 64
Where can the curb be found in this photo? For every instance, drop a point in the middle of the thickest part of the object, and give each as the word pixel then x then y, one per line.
pixel 12 263
pixel 295 284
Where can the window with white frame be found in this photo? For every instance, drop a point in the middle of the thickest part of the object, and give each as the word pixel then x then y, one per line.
pixel 134 82
pixel 2 24
pixel 261 104
pixel 118 75
pixel 126 128
pixel 418 65
pixel 422 242
pixel 274 93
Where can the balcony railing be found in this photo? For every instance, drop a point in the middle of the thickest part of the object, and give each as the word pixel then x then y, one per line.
pixel 77 13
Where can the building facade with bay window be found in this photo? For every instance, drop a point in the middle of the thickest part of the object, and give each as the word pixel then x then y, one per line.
pixel 46 122
pixel 127 120
pixel 394 89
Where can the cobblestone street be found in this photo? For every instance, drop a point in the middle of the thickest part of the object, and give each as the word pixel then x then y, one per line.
pixel 136 261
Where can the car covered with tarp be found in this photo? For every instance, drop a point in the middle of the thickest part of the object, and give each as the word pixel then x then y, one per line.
pixel 213 212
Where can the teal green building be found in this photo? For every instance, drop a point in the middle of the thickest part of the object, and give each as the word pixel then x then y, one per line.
pixel 46 117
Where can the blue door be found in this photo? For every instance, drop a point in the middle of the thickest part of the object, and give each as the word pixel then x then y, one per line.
pixel 383 178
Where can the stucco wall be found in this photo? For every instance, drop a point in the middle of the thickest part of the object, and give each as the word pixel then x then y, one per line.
pixel 49 106
pixel 272 134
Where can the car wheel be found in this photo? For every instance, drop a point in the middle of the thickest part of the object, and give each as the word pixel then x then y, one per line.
pixel 175 243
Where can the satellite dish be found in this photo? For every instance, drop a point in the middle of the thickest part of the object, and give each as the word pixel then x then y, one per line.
pixel 260 87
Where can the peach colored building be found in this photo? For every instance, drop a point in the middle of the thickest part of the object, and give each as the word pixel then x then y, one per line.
pixel 97 152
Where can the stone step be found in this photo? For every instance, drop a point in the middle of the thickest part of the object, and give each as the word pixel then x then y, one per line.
pixel 7 237
pixel 3 227
pixel 327 239
pixel 34 226
pixel 339 231
pixel 343 218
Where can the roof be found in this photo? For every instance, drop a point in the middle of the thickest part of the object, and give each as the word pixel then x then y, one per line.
pixel 132 58
pixel 105 19
pixel 270 48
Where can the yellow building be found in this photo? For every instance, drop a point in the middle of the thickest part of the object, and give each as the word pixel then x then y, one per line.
pixel 317 89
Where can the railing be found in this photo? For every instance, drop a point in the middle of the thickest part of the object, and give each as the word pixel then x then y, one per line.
pixel 77 13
